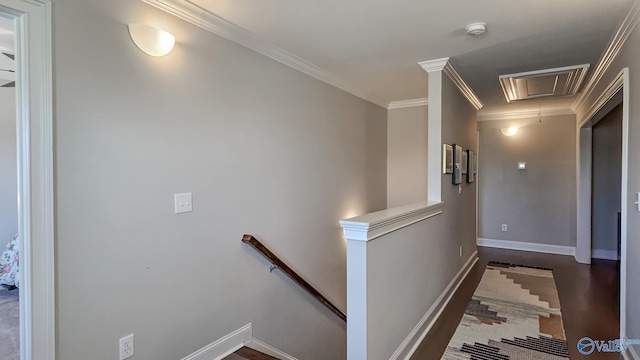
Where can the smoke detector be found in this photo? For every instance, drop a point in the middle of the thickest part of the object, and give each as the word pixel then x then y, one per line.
pixel 475 29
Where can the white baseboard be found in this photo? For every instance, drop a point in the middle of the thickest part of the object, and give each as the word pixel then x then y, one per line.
pixel 605 254
pixel 631 354
pixel 411 342
pixel 224 346
pixel 228 344
pixel 256 344
pixel 527 246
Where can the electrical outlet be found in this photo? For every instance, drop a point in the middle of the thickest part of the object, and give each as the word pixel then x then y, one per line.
pixel 504 227
pixel 460 250
pixel 126 347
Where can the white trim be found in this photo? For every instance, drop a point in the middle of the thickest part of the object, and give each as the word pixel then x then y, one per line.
pixel 630 354
pixel 401 104
pixel 211 22
pixel 611 52
pixel 445 65
pixel 230 343
pixel 612 89
pixel 256 344
pixel 34 131
pixel 583 194
pixel 434 137
pixel 417 335
pixel 434 65
pixel 374 225
pixel 514 90
pixel 605 254
pixel 624 200
pixel 224 346
pixel 527 246
pixel 464 88
pixel 524 114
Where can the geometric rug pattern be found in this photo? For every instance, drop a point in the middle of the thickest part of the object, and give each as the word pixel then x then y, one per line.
pixel 514 314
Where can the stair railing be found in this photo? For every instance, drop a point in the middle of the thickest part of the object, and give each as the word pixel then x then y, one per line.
pixel 279 264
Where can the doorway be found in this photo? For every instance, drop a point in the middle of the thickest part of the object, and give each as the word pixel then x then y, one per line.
pixel 9 241
pixel 31 21
pixel 616 94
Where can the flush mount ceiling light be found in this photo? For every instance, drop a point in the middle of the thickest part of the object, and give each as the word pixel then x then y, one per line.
pixel 510 131
pixel 151 40
pixel 475 29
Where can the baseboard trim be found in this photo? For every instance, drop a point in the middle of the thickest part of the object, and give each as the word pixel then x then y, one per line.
pixel 223 346
pixel 411 342
pixel 631 354
pixel 256 344
pixel 605 254
pixel 527 246
pixel 228 344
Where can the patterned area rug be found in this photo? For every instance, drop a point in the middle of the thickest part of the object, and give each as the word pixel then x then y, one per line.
pixel 513 314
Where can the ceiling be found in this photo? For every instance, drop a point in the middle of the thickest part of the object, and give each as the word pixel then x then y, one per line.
pixel 6 47
pixel 375 45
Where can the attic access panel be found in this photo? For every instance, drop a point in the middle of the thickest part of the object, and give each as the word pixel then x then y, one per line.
pixel 556 82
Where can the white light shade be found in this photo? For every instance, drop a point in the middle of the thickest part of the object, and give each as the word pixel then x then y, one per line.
pixel 522 165
pixel 151 40
pixel 510 131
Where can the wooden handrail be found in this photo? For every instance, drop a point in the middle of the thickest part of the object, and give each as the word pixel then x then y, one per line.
pixel 279 264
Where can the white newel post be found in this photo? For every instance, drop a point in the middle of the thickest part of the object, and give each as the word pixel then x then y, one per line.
pixel 358 232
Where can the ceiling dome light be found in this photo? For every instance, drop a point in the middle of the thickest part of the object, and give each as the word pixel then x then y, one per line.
pixel 475 29
pixel 510 131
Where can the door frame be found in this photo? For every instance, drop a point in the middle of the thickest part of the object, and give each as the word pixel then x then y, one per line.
pixel 34 120
pixel 617 91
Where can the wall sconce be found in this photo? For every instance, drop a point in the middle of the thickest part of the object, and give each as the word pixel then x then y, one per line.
pixel 522 166
pixel 152 41
pixel 510 131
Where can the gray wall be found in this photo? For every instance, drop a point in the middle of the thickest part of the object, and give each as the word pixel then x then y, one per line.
pixel 8 167
pixel 537 204
pixel 406 156
pixel 266 150
pixel 427 252
pixel 629 58
pixel 459 126
pixel 607 174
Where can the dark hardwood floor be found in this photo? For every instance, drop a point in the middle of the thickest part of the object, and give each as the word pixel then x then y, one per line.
pixel 588 298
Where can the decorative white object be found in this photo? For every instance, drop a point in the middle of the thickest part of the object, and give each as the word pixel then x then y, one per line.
pixel 556 82
pixel 522 165
pixel 151 40
pixel 510 131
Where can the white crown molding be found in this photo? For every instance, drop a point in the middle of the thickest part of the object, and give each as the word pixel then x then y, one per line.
pixel 602 100
pixel 374 225
pixel 434 65
pixel 611 52
pixel 190 12
pixel 462 86
pixel 523 114
pixel 401 104
pixel 445 65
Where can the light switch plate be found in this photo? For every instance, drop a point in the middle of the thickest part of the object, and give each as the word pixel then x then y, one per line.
pixel 183 203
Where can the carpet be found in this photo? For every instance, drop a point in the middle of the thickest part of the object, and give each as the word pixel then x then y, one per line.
pixel 513 314
pixel 9 325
